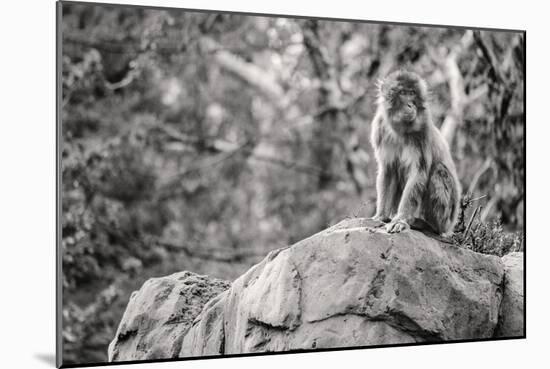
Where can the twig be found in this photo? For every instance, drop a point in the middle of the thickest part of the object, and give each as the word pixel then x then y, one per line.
pixel 477 198
pixel 129 78
pixel 470 224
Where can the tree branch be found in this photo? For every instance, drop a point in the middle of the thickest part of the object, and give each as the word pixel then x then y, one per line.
pixel 487 164
pixel 248 72
pixel 490 57
pixel 456 88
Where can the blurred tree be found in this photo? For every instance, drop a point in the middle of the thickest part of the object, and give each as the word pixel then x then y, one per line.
pixel 201 141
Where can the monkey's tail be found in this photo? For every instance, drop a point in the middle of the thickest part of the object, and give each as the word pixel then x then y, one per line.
pixel 420 224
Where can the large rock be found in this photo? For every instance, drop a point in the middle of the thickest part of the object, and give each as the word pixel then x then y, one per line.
pixel 353 285
pixel 511 323
pixel 160 313
pixel 350 285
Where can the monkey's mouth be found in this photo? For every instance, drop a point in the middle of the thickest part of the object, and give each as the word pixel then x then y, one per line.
pixel 405 117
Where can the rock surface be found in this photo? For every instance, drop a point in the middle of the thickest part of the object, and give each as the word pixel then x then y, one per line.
pixel 350 285
pixel 511 323
pixel 160 313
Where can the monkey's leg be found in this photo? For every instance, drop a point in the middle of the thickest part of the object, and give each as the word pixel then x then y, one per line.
pixel 410 201
pixel 441 200
pixel 384 194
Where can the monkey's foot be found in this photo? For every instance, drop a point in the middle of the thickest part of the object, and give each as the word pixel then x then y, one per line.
pixel 396 226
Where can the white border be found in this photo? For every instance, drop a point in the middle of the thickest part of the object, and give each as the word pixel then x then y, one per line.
pixel 27 164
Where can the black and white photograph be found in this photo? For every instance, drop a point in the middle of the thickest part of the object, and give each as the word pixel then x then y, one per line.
pixel 236 184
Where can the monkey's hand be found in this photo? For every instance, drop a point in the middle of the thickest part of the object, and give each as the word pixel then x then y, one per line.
pixel 396 226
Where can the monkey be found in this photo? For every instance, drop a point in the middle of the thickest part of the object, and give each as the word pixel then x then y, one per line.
pixel 417 184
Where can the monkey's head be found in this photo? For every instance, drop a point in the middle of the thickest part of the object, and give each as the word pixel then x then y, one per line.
pixel 403 96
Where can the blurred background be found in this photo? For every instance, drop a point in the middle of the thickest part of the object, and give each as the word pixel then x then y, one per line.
pixel 201 141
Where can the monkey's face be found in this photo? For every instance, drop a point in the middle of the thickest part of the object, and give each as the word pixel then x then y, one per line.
pixel 403 95
pixel 403 107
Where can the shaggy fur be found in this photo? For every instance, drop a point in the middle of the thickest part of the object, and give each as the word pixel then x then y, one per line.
pixel 416 180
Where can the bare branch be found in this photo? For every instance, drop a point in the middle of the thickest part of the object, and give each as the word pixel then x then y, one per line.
pixel 477 198
pixel 329 98
pixel 129 78
pixel 487 164
pixel 477 94
pixel 490 57
pixel 474 214
pixel 456 88
pixel 250 73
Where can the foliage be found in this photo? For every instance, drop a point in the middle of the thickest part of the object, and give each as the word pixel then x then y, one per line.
pixel 490 238
pixel 484 237
pixel 202 141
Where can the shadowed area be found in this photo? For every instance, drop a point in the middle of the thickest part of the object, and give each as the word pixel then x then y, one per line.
pixel 46 358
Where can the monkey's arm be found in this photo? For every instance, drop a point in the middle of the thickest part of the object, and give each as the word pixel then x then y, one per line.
pixel 384 194
pixel 410 201
pixel 384 182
